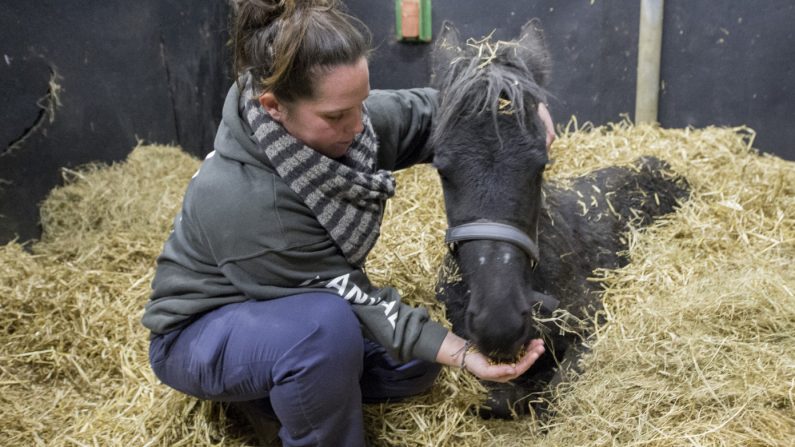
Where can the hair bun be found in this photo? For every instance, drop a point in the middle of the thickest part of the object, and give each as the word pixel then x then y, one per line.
pixel 258 13
pixel 281 41
pixel 269 10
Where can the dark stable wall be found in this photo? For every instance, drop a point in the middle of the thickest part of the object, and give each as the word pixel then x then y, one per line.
pixel 85 81
pixel 724 62
pixel 593 48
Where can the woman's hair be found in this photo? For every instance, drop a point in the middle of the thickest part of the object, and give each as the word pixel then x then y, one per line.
pixel 286 44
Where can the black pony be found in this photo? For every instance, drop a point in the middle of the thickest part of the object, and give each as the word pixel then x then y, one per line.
pixel 490 152
pixel 518 245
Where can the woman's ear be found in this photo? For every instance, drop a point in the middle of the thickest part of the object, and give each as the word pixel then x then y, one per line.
pixel 272 105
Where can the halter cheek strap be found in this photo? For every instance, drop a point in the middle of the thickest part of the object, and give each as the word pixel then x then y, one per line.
pixel 547 303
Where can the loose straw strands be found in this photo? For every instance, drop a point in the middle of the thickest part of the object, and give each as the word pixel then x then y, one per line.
pixel 697 348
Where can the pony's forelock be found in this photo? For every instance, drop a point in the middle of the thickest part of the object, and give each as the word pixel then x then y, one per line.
pixel 497 84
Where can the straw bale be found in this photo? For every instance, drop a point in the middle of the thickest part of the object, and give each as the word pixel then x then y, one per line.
pixel 697 347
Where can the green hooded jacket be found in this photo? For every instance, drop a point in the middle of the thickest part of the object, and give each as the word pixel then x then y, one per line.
pixel 243 234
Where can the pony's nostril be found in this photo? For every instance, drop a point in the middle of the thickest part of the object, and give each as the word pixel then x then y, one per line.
pixel 525 310
pixel 498 336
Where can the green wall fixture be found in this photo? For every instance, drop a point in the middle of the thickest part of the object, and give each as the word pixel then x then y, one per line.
pixel 413 20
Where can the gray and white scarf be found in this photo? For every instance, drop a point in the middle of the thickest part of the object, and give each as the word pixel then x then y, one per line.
pixel 347 195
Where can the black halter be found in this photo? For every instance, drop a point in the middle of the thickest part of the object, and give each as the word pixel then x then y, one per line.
pixel 496 231
pixel 493 231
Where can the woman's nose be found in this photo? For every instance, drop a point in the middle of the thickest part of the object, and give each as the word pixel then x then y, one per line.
pixel 357 125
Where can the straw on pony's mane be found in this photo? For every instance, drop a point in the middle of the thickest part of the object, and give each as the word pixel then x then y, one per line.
pixel 489 77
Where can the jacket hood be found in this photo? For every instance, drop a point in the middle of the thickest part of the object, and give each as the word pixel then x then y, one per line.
pixel 235 139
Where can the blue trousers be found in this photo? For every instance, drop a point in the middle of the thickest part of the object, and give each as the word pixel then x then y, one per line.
pixel 305 354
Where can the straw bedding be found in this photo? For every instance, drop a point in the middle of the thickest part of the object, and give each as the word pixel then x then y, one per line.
pixel 698 347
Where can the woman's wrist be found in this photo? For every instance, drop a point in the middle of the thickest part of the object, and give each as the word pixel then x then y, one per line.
pixel 453 350
pixel 468 348
pixel 458 352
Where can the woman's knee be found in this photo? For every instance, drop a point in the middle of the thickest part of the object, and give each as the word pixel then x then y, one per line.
pixel 337 336
pixel 324 368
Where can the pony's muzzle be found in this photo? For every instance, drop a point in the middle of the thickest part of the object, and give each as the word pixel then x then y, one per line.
pixel 499 338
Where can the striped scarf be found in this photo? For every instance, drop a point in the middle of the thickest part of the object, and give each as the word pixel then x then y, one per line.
pixel 347 195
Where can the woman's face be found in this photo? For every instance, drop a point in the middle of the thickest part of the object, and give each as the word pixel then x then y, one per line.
pixel 330 121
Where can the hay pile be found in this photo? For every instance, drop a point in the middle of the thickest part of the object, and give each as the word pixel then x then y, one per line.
pixel 699 346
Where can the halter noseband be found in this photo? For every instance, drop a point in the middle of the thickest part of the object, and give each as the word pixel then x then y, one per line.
pixel 496 231
pixel 493 231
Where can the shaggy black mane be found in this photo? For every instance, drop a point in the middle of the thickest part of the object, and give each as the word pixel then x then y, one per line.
pixel 489 77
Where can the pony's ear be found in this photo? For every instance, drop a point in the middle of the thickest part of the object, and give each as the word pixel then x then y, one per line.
pixel 445 50
pixel 532 49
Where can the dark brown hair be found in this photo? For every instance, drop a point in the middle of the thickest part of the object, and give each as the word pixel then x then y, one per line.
pixel 286 44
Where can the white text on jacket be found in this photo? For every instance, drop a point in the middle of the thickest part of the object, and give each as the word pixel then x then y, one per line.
pixel 351 292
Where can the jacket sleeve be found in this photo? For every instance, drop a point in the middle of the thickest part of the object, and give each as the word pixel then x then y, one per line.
pixel 405 331
pixel 402 120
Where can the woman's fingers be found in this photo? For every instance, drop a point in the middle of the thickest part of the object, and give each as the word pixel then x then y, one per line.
pixel 543 113
pixel 534 350
pixel 505 372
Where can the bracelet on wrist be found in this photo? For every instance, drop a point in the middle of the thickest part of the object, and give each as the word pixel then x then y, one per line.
pixel 466 349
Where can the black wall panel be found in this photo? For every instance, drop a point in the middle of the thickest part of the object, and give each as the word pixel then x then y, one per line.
pixel 724 62
pixel 83 81
pixel 729 63
pixel 593 46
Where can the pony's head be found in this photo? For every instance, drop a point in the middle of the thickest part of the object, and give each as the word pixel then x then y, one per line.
pixel 490 151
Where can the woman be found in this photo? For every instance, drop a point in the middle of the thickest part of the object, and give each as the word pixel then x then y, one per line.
pixel 259 297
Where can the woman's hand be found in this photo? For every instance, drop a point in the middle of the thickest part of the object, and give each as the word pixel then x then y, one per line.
pixel 546 118
pixel 478 364
pixel 455 352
